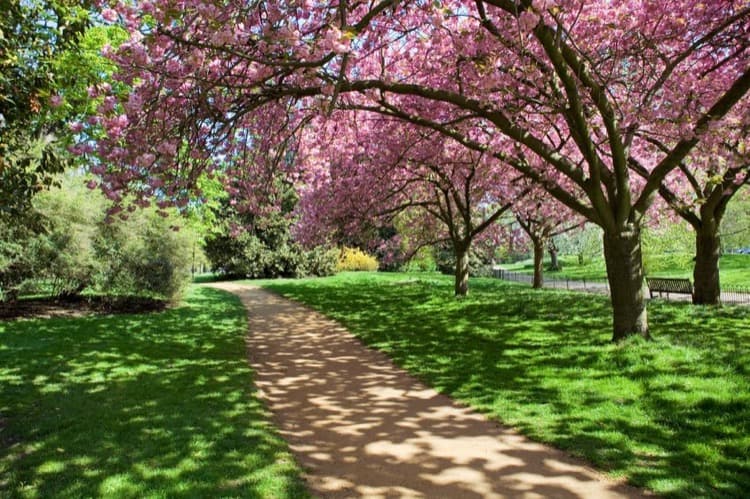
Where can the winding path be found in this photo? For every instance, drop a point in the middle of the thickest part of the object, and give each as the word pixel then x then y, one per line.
pixel 362 427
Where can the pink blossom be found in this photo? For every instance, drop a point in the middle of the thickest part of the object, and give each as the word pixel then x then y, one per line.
pixel 528 20
pixel 167 148
pixel 542 5
pixel 109 15
pixel 264 70
pixel 145 160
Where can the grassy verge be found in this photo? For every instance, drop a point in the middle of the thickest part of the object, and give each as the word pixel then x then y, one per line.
pixel 672 415
pixel 734 269
pixel 155 405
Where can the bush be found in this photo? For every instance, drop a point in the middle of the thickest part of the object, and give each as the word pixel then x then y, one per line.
pixel 246 255
pixel 62 247
pixel 65 249
pixel 45 251
pixel 422 261
pixel 320 262
pixel 17 249
pixel 142 256
pixel 353 259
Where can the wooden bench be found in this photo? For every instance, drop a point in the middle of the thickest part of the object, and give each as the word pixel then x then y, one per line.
pixel 669 285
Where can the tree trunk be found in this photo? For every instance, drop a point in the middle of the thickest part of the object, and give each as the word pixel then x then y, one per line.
pixel 538 264
pixel 706 288
pixel 622 254
pixel 462 269
pixel 554 262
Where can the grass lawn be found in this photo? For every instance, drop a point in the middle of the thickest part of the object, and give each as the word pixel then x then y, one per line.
pixel 734 269
pixel 154 405
pixel 672 415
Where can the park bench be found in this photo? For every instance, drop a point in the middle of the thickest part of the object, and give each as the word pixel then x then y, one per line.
pixel 669 285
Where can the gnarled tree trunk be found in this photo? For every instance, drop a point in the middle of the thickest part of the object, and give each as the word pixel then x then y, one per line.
pixel 706 285
pixel 622 253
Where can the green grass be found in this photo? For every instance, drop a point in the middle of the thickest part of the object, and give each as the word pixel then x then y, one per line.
pixel 672 415
pixel 734 269
pixel 155 405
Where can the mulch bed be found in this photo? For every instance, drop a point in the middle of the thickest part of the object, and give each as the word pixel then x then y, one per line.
pixel 78 306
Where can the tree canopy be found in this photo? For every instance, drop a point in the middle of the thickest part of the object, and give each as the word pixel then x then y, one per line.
pixel 597 103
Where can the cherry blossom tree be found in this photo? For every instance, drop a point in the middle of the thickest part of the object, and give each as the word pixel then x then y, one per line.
pixel 699 192
pixel 573 94
pixel 363 169
pixel 541 219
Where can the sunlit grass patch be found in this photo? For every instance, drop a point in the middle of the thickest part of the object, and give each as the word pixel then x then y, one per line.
pixel 155 405
pixel 672 414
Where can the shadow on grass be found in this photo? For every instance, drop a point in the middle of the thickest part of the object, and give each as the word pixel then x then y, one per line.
pixel 128 406
pixel 672 415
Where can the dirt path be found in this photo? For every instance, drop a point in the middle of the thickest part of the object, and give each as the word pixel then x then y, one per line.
pixel 362 427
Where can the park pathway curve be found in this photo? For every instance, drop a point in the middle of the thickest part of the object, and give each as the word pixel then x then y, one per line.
pixel 362 427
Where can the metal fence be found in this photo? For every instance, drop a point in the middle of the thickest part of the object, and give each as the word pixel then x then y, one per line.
pixel 556 282
pixel 730 295
pixel 735 295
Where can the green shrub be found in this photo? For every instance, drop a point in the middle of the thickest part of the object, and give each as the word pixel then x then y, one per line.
pixel 142 256
pixel 352 259
pixel 65 249
pixel 17 254
pixel 422 261
pixel 247 255
pixel 320 262
pixel 62 247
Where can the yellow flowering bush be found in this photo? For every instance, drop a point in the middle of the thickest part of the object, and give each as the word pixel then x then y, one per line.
pixel 355 259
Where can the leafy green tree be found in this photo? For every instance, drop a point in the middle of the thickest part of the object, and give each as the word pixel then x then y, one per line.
pixel 17 252
pixel 33 34
pixel 49 60
pixel 586 244
pixel 669 245
pixel 246 244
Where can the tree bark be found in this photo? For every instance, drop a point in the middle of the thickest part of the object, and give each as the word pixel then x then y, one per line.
pixel 554 262
pixel 706 286
pixel 462 269
pixel 624 260
pixel 538 264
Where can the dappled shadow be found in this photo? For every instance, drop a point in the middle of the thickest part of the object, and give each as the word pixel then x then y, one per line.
pixel 672 413
pixel 78 306
pixel 136 405
pixel 362 427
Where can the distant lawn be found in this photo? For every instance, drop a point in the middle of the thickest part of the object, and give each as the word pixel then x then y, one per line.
pixel 734 269
pixel 672 415
pixel 156 405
